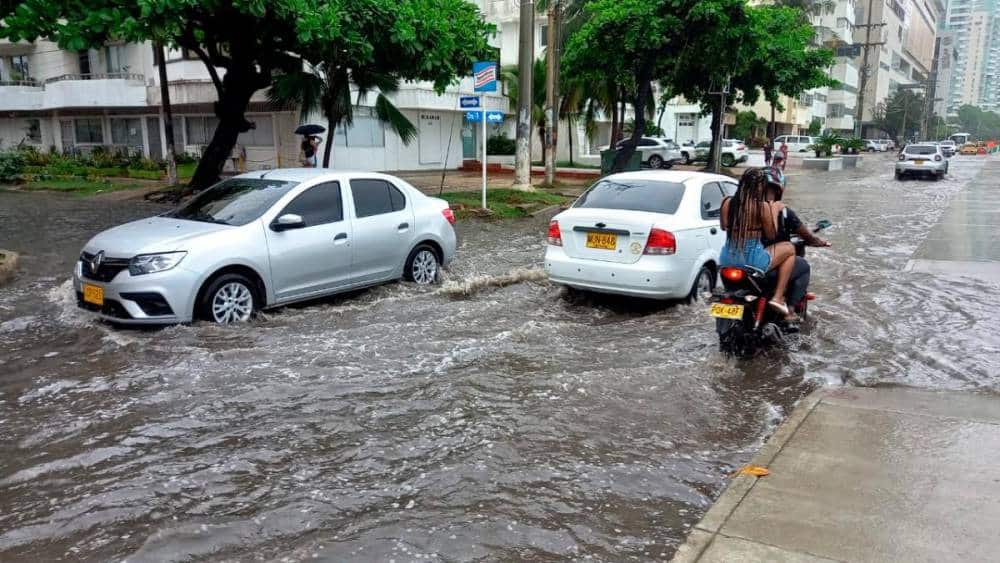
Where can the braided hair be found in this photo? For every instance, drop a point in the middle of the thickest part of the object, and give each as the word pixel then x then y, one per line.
pixel 745 207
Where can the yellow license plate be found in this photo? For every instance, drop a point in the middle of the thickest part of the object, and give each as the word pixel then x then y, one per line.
pixel 93 294
pixel 724 311
pixel 604 241
pixel 918 162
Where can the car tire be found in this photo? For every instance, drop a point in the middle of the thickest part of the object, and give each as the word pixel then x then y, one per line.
pixel 728 160
pixel 871 150
pixel 939 176
pixel 655 161
pixel 423 265
pixel 899 175
pixel 703 283
pixel 229 298
pixel 687 157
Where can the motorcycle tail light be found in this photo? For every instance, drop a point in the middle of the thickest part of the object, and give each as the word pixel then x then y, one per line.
pixel 733 274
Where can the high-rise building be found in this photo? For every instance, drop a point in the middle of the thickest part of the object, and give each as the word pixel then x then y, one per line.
pixel 975 76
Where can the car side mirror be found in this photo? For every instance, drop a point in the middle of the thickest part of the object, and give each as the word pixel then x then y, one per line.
pixel 287 222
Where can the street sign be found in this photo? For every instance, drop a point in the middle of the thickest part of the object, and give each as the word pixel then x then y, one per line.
pixel 468 102
pixel 485 76
pixel 494 117
pixel 474 116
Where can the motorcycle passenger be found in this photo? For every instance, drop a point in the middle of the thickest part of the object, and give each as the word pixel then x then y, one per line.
pixel 789 224
pixel 749 219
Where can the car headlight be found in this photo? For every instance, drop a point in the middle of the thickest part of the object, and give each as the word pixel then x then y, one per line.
pixel 152 263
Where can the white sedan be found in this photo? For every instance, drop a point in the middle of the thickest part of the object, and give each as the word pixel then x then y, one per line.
pixel 651 234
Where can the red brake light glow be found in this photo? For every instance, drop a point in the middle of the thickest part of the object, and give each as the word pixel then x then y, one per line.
pixel 449 215
pixel 660 242
pixel 733 274
pixel 555 236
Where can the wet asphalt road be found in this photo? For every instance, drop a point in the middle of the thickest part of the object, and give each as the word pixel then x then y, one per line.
pixel 491 418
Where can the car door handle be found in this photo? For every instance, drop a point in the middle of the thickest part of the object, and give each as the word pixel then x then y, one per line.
pixel 340 237
pixel 403 226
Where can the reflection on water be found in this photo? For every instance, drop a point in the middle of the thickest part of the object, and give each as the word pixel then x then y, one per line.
pixel 492 417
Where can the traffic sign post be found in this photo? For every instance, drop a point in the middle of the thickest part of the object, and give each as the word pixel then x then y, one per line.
pixel 484 76
pixel 484 157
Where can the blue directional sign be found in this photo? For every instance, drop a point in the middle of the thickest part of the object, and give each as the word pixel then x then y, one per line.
pixel 494 117
pixel 468 102
pixel 474 116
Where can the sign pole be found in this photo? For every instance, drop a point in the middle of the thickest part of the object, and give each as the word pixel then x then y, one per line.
pixel 483 106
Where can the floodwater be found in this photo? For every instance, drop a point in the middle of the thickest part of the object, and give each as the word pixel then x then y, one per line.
pixel 490 418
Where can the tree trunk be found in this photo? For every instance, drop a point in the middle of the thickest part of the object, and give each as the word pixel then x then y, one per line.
pixel 624 155
pixel 168 115
pixel 331 132
pixel 716 116
pixel 614 118
pixel 571 126
pixel 238 86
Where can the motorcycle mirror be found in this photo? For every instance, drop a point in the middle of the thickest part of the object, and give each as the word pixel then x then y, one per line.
pixel 823 224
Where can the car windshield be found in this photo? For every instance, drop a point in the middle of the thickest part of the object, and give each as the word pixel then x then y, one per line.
pixel 633 195
pixel 921 149
pixel 234 202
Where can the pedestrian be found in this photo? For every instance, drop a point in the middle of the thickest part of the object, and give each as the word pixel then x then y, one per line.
pixel 768 151
pixel 308 150
pixel 784 155
pixel 778 164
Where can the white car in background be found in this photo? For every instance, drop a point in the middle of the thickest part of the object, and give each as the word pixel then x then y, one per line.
pixel 657 152
pixel 652 234
pixel 796 143
pixel 874 145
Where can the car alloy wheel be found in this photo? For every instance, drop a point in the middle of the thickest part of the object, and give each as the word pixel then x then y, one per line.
pixel 424 267
pixel 703 285
pixel 232 303
pixel 728 160
pixel 655 161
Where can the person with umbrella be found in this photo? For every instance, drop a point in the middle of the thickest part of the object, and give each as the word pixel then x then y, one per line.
pixel 309 149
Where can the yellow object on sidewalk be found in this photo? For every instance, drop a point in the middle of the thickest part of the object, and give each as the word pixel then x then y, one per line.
pixel 755 470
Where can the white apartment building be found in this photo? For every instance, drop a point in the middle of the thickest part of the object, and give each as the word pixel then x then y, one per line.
pixel 906 55
pixel 975 77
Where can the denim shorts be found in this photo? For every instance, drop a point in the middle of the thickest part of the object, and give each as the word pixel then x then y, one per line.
pixel 754 254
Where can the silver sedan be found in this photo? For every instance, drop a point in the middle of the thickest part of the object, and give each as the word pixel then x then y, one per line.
pixel 261 240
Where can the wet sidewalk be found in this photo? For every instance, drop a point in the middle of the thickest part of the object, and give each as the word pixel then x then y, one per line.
pixel 866 474
pixel 966 240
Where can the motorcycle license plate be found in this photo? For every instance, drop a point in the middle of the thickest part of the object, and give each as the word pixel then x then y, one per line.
pixel 603 241
pixel 724 311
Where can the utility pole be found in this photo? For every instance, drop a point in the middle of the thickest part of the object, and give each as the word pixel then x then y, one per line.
pixel 551 91
pixel 525 62
pixel 168 116
pixel 859 113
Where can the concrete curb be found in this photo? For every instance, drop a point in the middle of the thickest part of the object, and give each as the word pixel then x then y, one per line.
pixel 702 535
pixel 8 264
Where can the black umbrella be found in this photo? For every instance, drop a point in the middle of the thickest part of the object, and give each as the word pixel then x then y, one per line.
pixel 309 129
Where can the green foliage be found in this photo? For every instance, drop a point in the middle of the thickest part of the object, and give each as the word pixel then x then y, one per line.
pixel 900 114
pixel 853 145
pixel 747 125
pixel 505 203
pixel 815 126
pixel 651 129
pixel 11 165
pixel 825 143
pixel 501 145
pixel 982 125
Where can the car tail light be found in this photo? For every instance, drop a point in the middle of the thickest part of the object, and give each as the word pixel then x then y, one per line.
pixel 902 156
pixel 937 157
pixel 732 274
pixel 742 147
pixel 555 236
pixel 449 215
pixel 660 242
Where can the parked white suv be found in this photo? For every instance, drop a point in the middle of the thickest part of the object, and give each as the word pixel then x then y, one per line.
pixel 657 152
pixel 874 145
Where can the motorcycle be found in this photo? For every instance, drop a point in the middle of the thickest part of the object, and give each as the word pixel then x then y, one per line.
pixel 743 320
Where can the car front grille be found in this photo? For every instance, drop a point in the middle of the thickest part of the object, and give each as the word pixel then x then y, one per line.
pixel 106 271
pixel 111 307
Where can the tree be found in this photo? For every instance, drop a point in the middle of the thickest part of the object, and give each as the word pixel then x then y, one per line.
pixel 981 124
pixel 510 77
pixel 251 40
pixel 899 113
pixel 747 124
pixel 328 89
pixel 815 127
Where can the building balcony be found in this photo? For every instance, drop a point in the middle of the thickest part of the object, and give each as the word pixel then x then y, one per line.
pixel 843 123
pixel 74 91
pixel 501 10
pixel 846 73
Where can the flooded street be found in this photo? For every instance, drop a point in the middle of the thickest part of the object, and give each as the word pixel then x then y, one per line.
pixel 492 417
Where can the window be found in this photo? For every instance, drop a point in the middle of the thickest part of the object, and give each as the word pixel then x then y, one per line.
pixel 89 131
pixel 200 129
pixel 116 59
pixel 367 131
pixel 33 131
pixel 318 205
pixel 262 135
pixel 17 68
pixel 685 120
pixel 543 34
pixel 644 142
pixel 84 58
pixel 376 197
pixel 234 202
pixel 633 195
pixel 126 131
pixel 711 201
pixel 729 189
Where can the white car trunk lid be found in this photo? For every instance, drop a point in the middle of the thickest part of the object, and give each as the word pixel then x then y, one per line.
pixel 626 231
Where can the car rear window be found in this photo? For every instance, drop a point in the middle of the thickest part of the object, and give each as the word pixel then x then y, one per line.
pixel 921 149
pixel 633 195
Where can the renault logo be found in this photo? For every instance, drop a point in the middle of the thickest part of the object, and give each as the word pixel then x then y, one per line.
pixel 95 262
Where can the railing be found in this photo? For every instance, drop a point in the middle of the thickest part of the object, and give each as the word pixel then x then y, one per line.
pixel 107 76
pixel 29 82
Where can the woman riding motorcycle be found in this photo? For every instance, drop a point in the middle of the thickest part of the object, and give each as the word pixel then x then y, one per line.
pixel 789 224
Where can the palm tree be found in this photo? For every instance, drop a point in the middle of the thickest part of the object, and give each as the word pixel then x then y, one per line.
pixel 509 76
pixel 327 88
